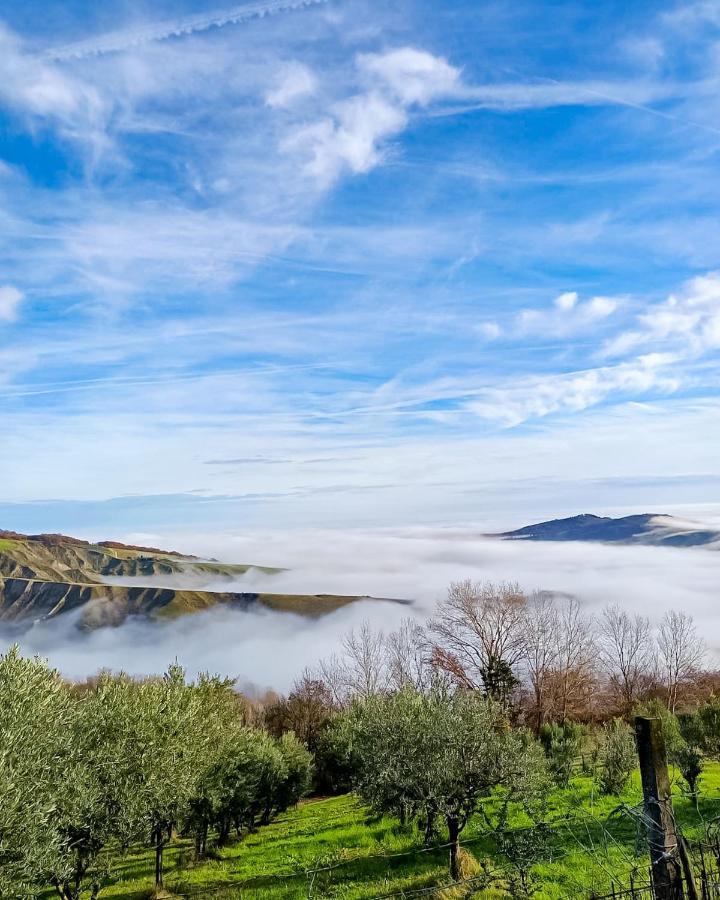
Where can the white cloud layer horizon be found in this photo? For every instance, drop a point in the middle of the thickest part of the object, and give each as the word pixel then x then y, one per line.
pixel 263 649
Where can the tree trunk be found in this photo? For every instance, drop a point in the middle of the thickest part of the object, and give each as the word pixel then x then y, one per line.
pixel 429 826
pixel 224 832
pixel 540 712
pixel 200 842
pixel 453 826
pixel 159 847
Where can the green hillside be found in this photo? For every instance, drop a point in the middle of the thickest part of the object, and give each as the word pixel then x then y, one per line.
pixel 337 848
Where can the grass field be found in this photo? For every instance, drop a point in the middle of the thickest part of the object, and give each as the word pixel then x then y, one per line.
pixel 361 856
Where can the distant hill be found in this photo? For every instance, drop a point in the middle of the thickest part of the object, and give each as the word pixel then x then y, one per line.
pixel 43 576
pixel 647 528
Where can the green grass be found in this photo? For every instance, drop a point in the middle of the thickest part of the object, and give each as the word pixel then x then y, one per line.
pixel 372 856
pixel 7 544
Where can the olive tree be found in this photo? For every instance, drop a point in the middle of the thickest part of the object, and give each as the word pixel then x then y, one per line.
pixel 36 716
pixel 228 789
pixel 299 771
pixel 173 739
pixel 436 754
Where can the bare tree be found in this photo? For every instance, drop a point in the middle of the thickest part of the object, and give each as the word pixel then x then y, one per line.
pixel 681 652
pixel 627 652
pixel 574 665
pixel 480 635
pixel 365 661
pixel 409 659
pixel 332 672
pixel 540 650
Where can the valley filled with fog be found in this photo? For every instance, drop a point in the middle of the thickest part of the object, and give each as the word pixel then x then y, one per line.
pixel 266 649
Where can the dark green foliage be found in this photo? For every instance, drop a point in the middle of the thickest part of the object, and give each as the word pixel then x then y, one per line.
pixel 618 757
pixel 499 680
pixel 707 726
pixel 562 744
pixel 689 760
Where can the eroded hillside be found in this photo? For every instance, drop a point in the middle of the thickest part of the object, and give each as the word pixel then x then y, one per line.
pixel 45 576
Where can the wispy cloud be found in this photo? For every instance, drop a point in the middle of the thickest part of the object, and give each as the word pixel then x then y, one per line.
pixel 533 398
pixel 10 300
pixel 688 322
pixel 126 38
pixel 44 93
pixel 568 315
pixel 351 135
pixel 285 242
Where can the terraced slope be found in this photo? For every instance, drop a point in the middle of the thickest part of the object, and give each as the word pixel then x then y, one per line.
pixel 46 576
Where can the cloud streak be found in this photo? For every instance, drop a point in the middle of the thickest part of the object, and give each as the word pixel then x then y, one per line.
pixel 127 38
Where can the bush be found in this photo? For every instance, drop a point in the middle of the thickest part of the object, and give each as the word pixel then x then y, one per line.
pixel 689 760
pixel 619 757
pixel 562 744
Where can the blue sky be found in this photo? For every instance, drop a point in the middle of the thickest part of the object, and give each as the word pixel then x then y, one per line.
pixel 354 262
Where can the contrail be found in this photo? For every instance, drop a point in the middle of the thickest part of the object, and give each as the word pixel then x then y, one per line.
pixel 115 41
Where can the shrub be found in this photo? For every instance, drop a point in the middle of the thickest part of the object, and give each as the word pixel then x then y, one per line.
pixel 619 757
pixel 561 744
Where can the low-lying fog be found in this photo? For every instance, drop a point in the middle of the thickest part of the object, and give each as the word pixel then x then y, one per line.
pixel 268 649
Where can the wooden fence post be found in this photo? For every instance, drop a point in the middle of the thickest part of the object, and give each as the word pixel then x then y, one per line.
pixel 659 817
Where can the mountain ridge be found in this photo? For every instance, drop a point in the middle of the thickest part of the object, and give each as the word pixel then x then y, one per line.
pixel 649 529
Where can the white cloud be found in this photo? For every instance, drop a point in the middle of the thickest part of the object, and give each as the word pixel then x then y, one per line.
pixel 490 330
pixel 531 398
pixel 296 81
pixel 689 321
pixel 647 50
pixel 10 300
pixel 568 315
pixel 601 307
pixel 352 135
pixel 413 76
pixel 519 95
pixel 43 91
pixel 350 139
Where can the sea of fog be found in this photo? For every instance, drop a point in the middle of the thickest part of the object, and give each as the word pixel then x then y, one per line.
pixel 265 649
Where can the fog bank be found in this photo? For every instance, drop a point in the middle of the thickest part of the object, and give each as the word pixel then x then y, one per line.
pixel 265 649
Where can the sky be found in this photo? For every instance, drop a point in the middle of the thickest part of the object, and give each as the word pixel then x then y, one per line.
pixel 307 263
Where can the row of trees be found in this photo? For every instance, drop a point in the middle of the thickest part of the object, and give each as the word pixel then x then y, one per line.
pixel 104 765
pixel 425 722
pixel 541 655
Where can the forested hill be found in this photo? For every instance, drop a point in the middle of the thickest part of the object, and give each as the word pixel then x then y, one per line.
pixel 646 528
pixel 43 576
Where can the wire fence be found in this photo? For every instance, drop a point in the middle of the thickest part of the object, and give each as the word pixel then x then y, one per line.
pixel 619 860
